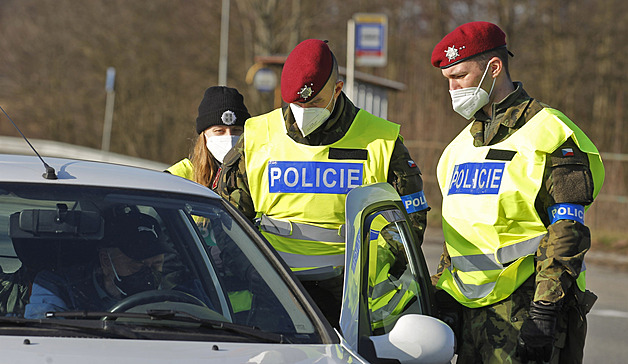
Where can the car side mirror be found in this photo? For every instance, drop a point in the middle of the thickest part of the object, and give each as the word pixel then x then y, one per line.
pixel 416 339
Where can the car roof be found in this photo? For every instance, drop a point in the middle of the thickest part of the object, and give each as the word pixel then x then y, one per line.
pixel 30 169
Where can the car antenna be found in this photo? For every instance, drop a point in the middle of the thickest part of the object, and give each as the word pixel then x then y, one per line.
pixel 50 172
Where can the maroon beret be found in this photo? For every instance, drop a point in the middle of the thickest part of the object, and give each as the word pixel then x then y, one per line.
pixel 466 41
pixel 306 71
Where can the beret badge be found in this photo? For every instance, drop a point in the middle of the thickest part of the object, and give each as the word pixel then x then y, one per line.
pixel 452 53
pixel 306 91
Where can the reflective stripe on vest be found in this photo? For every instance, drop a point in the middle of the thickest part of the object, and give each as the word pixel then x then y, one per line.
pixel 300 231
pixel 299 190
pixel 476 291
pixel 491 247
pixel 506 254
pixel 302 264
pixel 299 261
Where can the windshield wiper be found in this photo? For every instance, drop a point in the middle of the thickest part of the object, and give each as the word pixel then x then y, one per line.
pixel 175 315
pixel 97 328
pixel 251 331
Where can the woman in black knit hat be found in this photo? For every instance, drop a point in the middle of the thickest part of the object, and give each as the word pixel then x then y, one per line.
pixel 220 122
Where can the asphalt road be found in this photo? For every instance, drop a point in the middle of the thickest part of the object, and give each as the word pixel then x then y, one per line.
pixel 607 336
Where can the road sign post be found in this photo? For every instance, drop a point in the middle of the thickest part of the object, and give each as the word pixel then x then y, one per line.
pixel 366 45
pixel 106 133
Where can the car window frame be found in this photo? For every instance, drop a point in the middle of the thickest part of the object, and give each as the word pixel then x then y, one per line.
pixel 362 206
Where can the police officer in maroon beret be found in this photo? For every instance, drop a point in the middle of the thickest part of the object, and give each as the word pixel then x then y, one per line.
pixel 292 168
pixel 515 183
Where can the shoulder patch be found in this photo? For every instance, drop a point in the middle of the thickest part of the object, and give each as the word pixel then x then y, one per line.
pixel 568 154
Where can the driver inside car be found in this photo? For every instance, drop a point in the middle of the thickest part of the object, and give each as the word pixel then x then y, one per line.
pixel 129 261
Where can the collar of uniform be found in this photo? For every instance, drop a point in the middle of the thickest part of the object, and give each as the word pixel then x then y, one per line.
pixel 484 128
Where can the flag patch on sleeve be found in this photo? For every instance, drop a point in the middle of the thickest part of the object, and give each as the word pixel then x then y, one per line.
pixel 411 163
pixel 567 152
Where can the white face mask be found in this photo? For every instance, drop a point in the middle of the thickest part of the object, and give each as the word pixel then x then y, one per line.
pixel 219 145
pixel 310 118
pixel 467 101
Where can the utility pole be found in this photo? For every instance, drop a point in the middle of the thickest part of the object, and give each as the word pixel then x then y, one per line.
pixel 350 81
pixel 224 43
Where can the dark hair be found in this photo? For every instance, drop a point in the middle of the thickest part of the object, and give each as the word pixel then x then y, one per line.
pixel 501 53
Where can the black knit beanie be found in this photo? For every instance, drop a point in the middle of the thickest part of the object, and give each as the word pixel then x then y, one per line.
pixel 221 105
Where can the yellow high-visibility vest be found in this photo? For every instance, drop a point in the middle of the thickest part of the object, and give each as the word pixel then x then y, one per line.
pixel 299 190
pixel 491 227
pixel 182 168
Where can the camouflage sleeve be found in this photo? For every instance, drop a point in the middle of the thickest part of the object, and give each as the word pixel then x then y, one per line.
pixel 233 184
pixel 444 263
pixel 560 255
pixel 405 176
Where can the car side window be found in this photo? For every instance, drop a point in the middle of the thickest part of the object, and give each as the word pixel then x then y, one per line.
pixel 245 278
pixel 224 254
pixel 393 290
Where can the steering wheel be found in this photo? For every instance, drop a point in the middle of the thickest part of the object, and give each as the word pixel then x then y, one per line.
pixel 155 296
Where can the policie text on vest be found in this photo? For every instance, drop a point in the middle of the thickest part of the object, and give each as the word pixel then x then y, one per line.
pixel 477 178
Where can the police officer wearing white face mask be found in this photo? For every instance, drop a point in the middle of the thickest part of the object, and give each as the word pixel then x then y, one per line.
pixel 220 122
pixel 292 168
pixel 516 183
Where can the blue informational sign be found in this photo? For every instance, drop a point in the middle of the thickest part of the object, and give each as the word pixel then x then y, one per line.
pixel 370 39
pixel 265 80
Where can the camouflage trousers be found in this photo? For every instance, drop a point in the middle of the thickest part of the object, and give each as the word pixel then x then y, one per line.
pixel 489 334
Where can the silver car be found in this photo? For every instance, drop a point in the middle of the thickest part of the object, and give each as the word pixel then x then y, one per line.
pixel 107 263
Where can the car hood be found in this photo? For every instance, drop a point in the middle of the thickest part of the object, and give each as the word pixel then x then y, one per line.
pixel 22 349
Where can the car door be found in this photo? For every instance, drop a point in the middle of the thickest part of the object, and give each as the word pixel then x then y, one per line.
pixel 387 306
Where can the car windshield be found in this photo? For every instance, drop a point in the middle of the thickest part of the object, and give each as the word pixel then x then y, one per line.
pixel 95 251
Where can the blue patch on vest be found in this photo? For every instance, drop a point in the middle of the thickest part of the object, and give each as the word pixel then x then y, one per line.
pixel 477 178
pixel 373 234
pixel 313 177
pixel 414 202
pixel 566 211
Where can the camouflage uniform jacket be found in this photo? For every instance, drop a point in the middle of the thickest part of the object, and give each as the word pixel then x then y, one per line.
pixel 560 254
pixel 403 174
